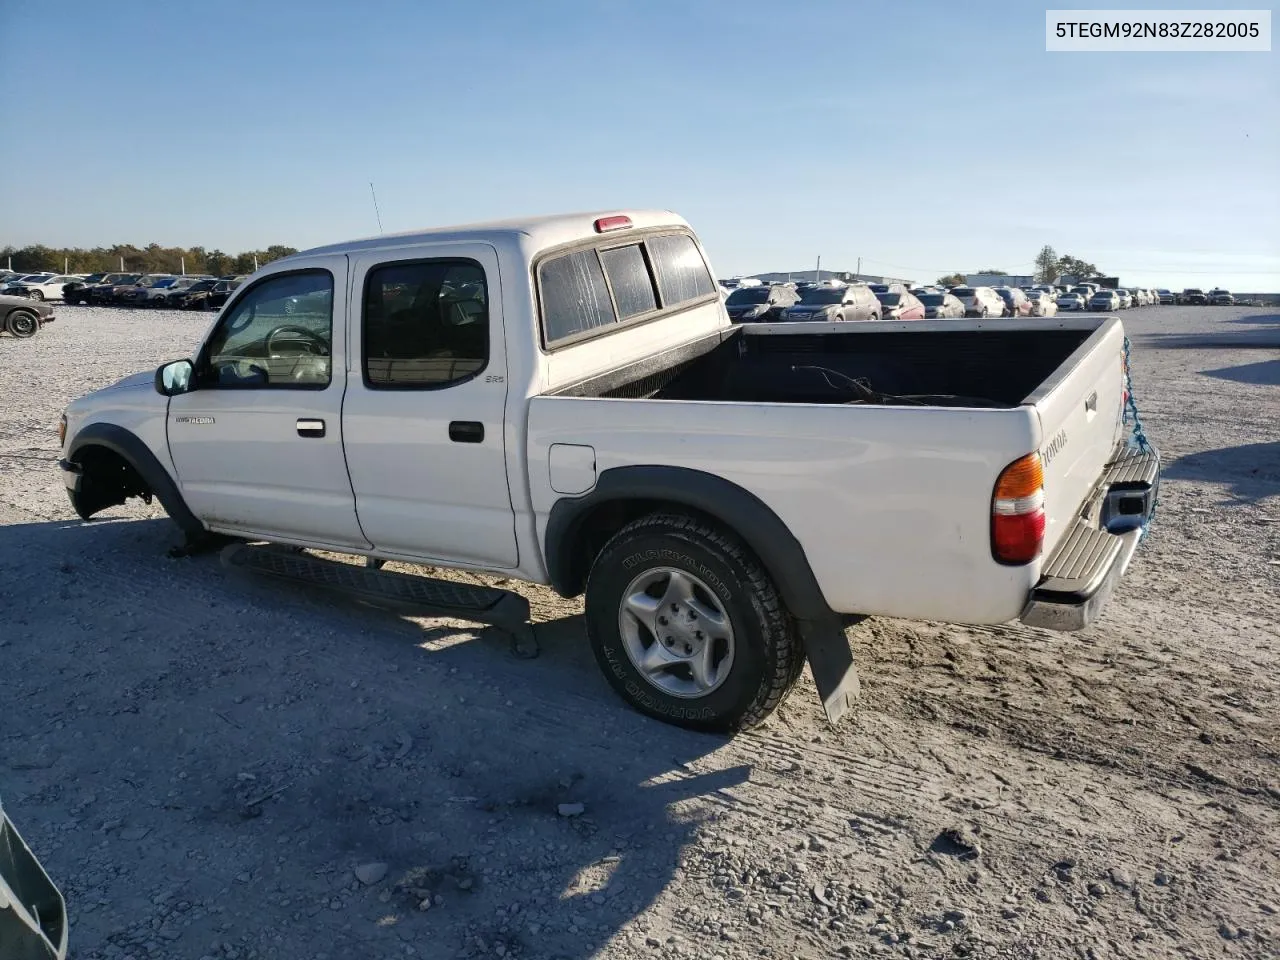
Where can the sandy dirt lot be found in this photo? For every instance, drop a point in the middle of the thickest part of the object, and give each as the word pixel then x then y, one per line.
pixel 212 768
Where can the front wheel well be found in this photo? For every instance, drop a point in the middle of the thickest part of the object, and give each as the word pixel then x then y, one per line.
pixel 106 479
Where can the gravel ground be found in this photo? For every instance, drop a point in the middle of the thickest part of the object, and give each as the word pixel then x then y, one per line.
pixel 218 769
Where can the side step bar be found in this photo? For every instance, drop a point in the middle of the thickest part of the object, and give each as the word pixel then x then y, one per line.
pixel 404 593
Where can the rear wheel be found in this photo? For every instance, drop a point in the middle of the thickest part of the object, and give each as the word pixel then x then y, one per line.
pixel 23 324
pixel 35 294
pixel 688 627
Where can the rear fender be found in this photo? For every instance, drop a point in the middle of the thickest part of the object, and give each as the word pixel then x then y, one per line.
pixel 743 513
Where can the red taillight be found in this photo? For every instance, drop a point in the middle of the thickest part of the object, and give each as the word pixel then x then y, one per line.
pixel 1017 512
pixel 1016 539
pixel 605 224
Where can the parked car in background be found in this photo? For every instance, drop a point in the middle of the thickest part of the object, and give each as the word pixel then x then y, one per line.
pixel 104 292
pixel 1221 298
pixel 760 304
pixel 1015 301
pixel 212 297
pixel 10 287
pixel 1167 296
pixel 159 294
pixel 1072 301
pixel 854 302
pixel 941 306
pixel 49 288
pixel 979 301
pixel 1125 298
pixel 1105 300
pixel 23 318
pixel 139 293
pixel 887 287
pixel 1193 295
pixel 176 299
pixel 900 306
pixel 1086 290
pixel 71 292
pixel 1041 304
pixel 127 294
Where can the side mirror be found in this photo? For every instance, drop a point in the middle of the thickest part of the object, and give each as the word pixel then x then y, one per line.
pixel 174 378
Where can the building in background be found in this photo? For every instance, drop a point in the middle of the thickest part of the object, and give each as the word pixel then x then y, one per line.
pixel 999 280
pixel 796 276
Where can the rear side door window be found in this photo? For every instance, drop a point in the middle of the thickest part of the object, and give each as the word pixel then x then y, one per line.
pixel 426 324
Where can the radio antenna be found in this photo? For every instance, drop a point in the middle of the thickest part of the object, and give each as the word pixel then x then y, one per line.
pixel 376 212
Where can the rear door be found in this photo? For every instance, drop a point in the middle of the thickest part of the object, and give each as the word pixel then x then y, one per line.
pixel 426 408
pixel 258 442
pixel 1080 418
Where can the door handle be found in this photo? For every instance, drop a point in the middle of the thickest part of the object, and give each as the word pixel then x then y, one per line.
pixel 310 428
pixel 466 431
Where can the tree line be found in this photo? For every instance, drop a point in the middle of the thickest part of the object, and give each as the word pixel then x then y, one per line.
pixel 152 258
pixel 1049 267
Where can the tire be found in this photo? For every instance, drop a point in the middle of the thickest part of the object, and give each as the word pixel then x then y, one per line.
pixel 35 294
pixel 758 657
pixel 22 324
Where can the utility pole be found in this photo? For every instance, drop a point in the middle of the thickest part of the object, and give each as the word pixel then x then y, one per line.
pixel 858 275
pixel 122 264
pixel 184 265
pixel 255 263
pixel 817 271
pixel 66 264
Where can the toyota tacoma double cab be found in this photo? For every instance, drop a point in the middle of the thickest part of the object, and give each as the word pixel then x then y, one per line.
pixel 565 400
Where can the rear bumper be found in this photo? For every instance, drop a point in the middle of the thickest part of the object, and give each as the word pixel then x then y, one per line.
pixel 1085 568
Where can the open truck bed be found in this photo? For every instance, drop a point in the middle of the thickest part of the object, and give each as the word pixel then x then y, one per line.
pixel 905 430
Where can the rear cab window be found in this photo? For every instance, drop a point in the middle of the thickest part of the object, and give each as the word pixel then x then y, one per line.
pixel 587 292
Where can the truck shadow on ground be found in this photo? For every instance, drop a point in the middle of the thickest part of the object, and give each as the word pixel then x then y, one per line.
pixel 249 747
pixel 1252 470
pixel 1265 373
pixel 1262 339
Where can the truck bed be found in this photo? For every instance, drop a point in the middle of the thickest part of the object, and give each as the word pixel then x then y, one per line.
pixel 919 364
pixel 885 476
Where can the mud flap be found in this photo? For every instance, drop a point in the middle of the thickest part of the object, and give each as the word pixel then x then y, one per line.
pixel 831 660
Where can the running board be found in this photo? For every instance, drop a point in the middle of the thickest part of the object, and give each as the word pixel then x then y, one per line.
pixel 402 592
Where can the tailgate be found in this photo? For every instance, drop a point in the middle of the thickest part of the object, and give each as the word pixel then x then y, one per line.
pixel 1080 408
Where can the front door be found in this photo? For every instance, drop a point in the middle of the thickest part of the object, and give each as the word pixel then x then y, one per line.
pixel 257 444
pixel 425 411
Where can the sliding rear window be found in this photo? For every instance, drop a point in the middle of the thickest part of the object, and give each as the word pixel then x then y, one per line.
pixel 585 291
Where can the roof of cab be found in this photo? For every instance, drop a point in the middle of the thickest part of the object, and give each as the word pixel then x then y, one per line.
pixel 544 232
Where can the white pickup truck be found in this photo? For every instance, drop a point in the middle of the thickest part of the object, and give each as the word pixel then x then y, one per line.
pixel 564 400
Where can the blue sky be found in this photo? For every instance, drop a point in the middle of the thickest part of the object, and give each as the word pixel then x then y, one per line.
pixel 924 137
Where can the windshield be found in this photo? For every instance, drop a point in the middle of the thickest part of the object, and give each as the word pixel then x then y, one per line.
pixel 931 299
pixel 748 295
pixel 166 282
pixel 823 295
pixel 962 291
pixel 889 299
pixel 129 278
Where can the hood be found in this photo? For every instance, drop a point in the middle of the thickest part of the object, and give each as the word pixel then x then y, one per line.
pixel 38 305
pixel 146 378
